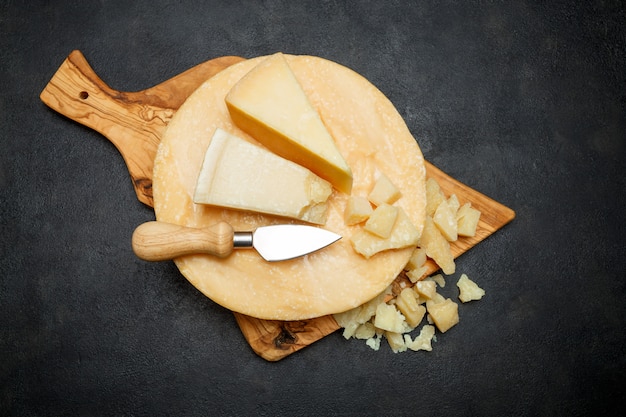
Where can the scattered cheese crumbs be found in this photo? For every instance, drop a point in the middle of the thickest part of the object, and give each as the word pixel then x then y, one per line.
pixel 404 305
pixel 469 290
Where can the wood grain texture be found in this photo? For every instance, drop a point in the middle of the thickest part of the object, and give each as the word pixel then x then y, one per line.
pixel 159 241
pixel 135 122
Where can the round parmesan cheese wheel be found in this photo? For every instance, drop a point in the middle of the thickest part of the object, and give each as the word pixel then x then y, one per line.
pixel 371 136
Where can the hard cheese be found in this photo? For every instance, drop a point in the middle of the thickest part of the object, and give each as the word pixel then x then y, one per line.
pixel 239 175
pixel 269 104
pixel 373 139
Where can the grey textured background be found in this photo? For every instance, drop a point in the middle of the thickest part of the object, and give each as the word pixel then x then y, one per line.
pixel 524 101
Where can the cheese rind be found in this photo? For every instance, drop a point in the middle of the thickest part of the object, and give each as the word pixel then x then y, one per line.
pixel 240 175
pixel 372 137
pixel 269 104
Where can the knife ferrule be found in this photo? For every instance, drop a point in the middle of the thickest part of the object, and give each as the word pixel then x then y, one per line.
pixel 242 240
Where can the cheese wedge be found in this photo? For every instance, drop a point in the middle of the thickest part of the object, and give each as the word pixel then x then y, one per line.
pixel 270 105
pixel 239 175
pixel 371 136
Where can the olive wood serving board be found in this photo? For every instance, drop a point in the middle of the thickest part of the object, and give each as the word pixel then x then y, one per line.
pixel 135 122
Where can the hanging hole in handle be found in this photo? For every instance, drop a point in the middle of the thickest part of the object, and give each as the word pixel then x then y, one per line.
pixel 83 95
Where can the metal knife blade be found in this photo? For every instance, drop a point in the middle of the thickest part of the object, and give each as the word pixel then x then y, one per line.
pixel 287 241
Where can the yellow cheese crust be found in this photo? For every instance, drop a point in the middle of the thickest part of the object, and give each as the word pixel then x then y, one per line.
pixel 371 136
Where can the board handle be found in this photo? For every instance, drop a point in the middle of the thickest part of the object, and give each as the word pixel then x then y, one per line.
pixel 160 241
pixel 133 126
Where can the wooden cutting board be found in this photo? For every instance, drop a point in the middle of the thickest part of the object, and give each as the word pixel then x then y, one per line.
pixel 135 121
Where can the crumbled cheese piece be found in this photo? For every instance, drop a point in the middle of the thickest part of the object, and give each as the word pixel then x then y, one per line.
pixel 469 290
pixel 384 191
pixel 423 341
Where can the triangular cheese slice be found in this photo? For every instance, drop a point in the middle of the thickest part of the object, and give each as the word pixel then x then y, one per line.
pixel 269 104
pixel 239 175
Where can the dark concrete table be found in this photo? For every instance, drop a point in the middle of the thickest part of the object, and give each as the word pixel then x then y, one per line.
pixel 524 101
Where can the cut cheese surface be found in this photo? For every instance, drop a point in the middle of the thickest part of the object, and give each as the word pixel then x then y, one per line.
pixel 403 234
pixel 240 175
pixel 270 104
pixel 373 139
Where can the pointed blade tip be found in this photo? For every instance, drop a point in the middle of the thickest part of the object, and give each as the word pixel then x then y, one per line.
pixel 288 241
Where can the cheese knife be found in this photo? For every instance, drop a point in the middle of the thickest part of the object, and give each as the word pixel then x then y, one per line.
pixel 160 241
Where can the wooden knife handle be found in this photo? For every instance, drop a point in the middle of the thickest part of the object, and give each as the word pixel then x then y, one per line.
pixel 160 241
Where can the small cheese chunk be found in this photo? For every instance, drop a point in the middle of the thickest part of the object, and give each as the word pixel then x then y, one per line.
pixel 426 289
pixel 382 220
pixel 358 209
pixel 439 279
pixel 417 259
pixel 467 220
pixel 416 274
pixel 469 290
pixel 365 331
pixel 269 104
pixel 367 310
pixel 407 303
pixel 384 191
pixel 434 196
pixel 437 247
pixel 396 341
pixel 446 222
pixel 453 202
pixel 347 321
pixel 423 341
pixel 404 234
pixel 444 314
pixel 281 188
pixel 388 318
pixel 374 342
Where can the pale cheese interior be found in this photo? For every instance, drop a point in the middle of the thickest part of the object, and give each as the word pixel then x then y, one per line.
pixel 373 139
pixel 240 175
